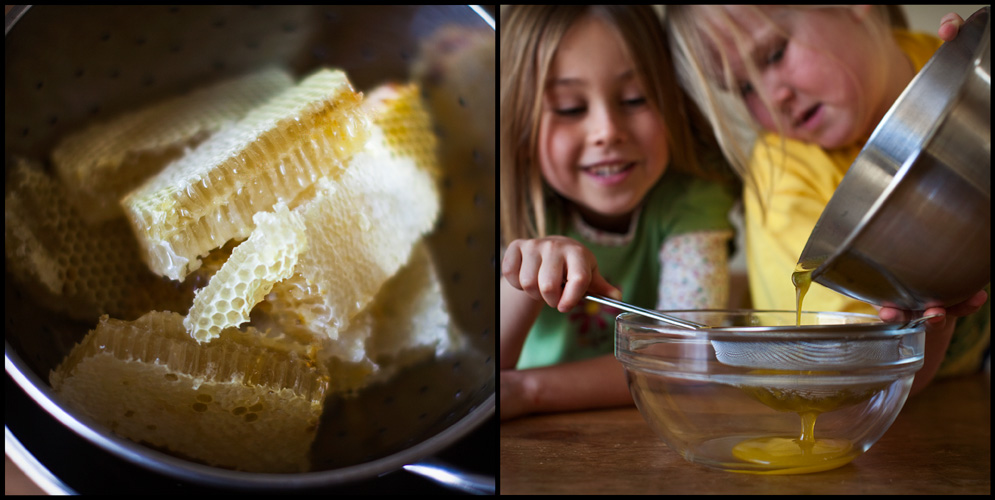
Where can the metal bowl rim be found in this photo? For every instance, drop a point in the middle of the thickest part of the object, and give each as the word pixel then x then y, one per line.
pixel 873 328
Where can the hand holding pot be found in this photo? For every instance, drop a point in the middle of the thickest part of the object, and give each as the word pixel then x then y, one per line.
pixel 949 26
pixel 938 332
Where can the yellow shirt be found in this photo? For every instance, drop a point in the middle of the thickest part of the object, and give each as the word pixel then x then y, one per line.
pixel 797 179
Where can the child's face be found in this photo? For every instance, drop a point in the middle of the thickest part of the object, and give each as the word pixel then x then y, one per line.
pixel 601 144
pixel 822 76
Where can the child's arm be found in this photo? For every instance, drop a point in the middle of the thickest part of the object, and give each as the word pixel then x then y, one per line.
pixel 518 313
pixel 557 271
pixel 592 383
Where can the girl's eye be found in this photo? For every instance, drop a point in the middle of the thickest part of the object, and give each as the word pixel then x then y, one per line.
pixel 772 57
pixel 776 53
pixel 635 102
pixel 574 111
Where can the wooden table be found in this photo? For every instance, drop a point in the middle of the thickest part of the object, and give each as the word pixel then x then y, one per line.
pixel 940 443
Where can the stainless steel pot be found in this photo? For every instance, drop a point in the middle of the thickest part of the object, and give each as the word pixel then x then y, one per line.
pixel 65 66
pixel 910 224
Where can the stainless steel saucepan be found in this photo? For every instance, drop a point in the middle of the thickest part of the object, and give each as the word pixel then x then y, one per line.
pixel 910 224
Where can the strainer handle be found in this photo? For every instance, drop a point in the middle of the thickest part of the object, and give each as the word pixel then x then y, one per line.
pixel 646 312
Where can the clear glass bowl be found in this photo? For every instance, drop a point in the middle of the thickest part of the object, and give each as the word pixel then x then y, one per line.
pixel 755 393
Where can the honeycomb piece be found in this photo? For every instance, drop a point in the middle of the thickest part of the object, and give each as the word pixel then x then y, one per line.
pixel 244 401
pixel 71 266
pixel 398 110
pixel 410 318
pixel 360 230
pixel 406 323
pixel 275 153
pixel 104 161
pixel 268 256
pixel 296 308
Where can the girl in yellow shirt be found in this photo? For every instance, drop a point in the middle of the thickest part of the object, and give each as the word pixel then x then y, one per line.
pixel 793 94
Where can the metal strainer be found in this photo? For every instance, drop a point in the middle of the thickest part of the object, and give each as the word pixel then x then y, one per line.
pixel 65 66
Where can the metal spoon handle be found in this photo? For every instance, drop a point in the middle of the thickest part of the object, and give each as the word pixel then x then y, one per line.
pixel 646 312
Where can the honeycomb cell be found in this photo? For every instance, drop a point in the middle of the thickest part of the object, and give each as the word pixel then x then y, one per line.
pixel 267 257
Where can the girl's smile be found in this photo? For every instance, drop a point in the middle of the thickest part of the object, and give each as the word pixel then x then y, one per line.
pixel 609 172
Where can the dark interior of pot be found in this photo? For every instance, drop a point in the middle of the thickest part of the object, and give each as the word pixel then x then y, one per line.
pixel 67 66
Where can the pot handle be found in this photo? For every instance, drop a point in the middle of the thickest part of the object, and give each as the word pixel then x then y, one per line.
pixel 446 475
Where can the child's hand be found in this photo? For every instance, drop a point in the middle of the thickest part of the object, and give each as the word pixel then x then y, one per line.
pixel 556 270
pixel 939 331
pixel 949 26
pixel 969 306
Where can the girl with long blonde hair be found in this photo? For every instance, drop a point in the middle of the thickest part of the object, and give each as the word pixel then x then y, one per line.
pixel 610 184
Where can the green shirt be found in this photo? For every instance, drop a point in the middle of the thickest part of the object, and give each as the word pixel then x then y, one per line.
pixel 677 204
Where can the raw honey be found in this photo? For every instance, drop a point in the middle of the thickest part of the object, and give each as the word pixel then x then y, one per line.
pixel 795 456
pixel 805 453
pixel 802 279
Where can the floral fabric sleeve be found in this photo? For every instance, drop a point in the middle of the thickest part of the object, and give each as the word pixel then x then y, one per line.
pixel 694 271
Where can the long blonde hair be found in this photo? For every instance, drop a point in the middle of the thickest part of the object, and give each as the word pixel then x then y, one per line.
pixel 694 44
pixel 530 35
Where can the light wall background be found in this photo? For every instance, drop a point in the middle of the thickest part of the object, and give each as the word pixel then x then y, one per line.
pixel 927 17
